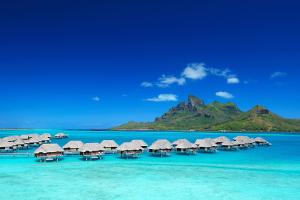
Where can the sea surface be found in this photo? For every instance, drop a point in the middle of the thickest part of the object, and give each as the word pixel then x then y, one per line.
pixel 265 173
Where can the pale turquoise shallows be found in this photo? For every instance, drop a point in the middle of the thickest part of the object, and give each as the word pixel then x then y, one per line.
pixel 258 173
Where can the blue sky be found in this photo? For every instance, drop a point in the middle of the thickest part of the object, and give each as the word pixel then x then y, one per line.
pixel 96 64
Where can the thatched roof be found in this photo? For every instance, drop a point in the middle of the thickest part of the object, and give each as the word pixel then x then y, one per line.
pixel 185 144
pixel 46 135
pixel 28 136
pixel 11 138
pixel 241 138
pixel 44 138
pixel 109 144
pixel 161 144
pixel 260 139
pixel 129 146
pixel 19 142
pixel 235 143
pixel 33 135
pixel 221 139
pixel 49 148
pixel 228 143
pixel 5 144
pixel 244 139
pixel 73 145
pixel 141 143
pixel 61 135
pixel 205 143
pixel 33 140
pixel 91 147
pixel 24 137
pixel 177 142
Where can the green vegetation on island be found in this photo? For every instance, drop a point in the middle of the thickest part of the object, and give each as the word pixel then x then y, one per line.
pixel 196 115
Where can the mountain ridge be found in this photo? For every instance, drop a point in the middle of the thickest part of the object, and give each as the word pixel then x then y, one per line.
pixel 194 114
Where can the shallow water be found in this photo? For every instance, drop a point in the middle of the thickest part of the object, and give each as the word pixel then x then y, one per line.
pixel 257 173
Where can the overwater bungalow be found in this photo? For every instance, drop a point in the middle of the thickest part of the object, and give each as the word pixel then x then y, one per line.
pixel 161 148
pixel 32 135
pixel 140 143
pixel 130 150
pixel 11 138
pixel 220 140
pixel 34 141
pixel 183 146
pixel 6 146
pixel 261 142
pixel 91 151
pixel 24 137
pixel 44 139
pixel 72 147
pixel 229 146
pixel 245 141
pixel 110 146
pixel 206 145
pixel 60 135
pixel 49 152
pixel 20 144
pixel 175 143
pixel 48 135
pixel 240 144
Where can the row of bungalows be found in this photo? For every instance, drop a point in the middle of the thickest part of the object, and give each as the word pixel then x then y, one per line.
pixel 134 148
pixel 239 142
pixel 13 143
pixel 88 151
pixel 73 147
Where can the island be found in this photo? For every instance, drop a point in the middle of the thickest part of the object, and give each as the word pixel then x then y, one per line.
pixel 195 115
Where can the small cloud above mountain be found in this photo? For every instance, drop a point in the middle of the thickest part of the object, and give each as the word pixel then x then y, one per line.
pixel 163 98
pixel 225 95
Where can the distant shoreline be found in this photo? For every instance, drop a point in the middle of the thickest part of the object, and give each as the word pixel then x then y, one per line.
pixel 206 131
pixel 151 130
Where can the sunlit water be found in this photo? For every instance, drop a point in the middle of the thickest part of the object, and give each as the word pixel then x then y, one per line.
pixel 257 173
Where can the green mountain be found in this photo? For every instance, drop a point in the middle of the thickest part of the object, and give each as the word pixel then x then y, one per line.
pixel 196 115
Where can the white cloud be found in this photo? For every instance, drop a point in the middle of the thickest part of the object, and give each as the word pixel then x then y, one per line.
pixel 163 97
pixel 96 98
pixel 146 84
pixel 278 74
pixel 233 80
pixel 166 81
pixel 225 95
pixel 195 71
pixel 219 72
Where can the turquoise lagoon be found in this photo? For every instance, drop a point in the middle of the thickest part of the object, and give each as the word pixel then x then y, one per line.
pixel 258 173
